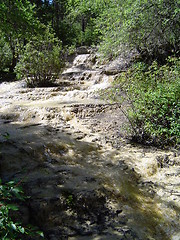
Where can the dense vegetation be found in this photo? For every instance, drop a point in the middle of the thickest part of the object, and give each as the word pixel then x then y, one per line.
pixel 151 27
pixel 34 34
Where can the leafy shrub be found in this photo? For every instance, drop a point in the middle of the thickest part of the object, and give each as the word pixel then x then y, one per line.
pixel 153 96
pixel 41 60
pixel 10 229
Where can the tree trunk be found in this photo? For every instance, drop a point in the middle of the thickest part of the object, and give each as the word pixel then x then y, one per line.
pixel 83 23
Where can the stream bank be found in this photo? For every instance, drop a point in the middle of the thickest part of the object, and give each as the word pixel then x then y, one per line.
pixel 86 181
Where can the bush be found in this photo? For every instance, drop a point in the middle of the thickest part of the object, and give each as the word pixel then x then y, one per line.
pixel 41 61
pixel 10 229
pixel 153 95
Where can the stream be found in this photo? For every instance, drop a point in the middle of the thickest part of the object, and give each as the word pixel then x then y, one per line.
pixel 67 147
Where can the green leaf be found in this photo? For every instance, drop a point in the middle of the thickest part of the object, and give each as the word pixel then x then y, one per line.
pixel 12 207
pixel 40 233
pixel 13 226
pixel 21 229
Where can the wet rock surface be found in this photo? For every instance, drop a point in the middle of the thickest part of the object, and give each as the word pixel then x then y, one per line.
pixel 86 181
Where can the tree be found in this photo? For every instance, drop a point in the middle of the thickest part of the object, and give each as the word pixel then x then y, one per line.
pixel 82 17
pixel 152 27
pixel 17 23
pixel 54 12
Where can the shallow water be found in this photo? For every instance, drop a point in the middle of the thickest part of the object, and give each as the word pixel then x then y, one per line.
pixel 79 167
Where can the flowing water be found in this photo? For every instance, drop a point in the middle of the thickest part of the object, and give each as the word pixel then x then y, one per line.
pixel 81 187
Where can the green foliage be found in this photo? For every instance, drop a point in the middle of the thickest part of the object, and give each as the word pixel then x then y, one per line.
pixel 5 54
pixel 41 61
pixel 17 18
pixel 6 135
pixel 70 200
pixel 82 16
pixel 17 24
pixel 10 229
pixel 153 96
pixel 152 27
pixel 108 25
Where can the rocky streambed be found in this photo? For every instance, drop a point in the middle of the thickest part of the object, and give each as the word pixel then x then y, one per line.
pixel 85 180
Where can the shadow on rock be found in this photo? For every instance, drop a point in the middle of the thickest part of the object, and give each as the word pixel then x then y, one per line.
pixel 74 190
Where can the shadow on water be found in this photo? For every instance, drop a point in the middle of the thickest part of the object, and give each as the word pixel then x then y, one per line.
pixel 77 191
